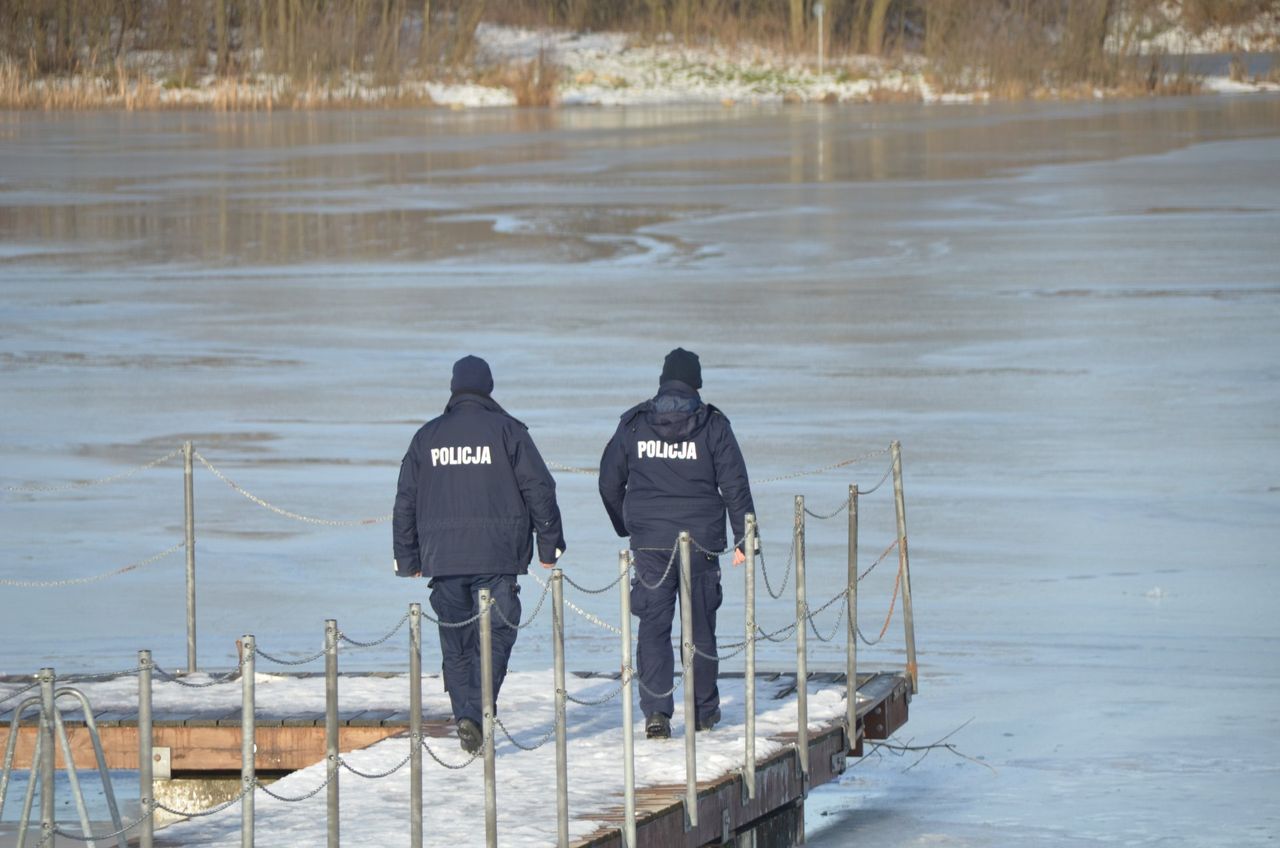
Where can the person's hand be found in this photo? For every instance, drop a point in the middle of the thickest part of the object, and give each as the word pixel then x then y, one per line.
pixel 738 557
pixel 548 565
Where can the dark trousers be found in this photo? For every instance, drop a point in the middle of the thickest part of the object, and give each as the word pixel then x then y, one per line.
pixel 655 607
pixel 457 599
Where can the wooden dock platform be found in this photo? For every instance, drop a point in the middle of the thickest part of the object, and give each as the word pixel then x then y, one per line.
pixel 206 744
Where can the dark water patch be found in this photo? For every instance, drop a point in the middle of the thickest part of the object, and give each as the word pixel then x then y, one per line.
pixel 249 535
pixel 148 361
pixel 1216 293
pixel 228 229
pixel 903 373
pixel 323 461
pixel 1206 210
pixel 329 422
pixel 156 446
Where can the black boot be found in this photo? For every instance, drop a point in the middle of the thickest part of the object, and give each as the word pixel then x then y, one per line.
pixel 469 735
pixel 657 726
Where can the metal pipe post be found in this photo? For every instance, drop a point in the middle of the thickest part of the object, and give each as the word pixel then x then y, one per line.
pixel 690 704
pixel 904 567
pixel 628 721
pixel 415 725
pixel 24 818
pixel 851 651
pixel 189 499
pixel 74 779
pixel 562 727
pixel 10 749
pixel 146 778
pixel 749 762
pixel 248 775
pixel 95 739
pixel 802 652
pixel 486 703
pixel 332 819
pixel 49 751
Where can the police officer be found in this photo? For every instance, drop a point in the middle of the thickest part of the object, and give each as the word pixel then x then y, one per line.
pixel 673 464
pixel 473 490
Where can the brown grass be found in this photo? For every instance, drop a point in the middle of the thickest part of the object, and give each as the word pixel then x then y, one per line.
pixel 534 83
pixel 133 91
pixel 881 94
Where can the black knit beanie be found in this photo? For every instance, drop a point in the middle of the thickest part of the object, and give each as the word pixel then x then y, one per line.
pixel 682 365
pixel 471 374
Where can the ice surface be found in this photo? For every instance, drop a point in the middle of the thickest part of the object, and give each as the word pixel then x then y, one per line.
pixel 1068 313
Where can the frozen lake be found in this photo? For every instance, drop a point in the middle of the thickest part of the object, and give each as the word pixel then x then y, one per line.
pixel 1069 314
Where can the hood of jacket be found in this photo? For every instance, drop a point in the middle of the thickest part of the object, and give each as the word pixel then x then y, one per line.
pixel 677 412
pixel 458 399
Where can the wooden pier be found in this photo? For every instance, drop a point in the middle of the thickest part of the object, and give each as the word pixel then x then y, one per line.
pixel 206 745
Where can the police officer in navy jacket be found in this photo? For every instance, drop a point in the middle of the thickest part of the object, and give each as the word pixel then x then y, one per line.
pixel 473 492
pixel 673 464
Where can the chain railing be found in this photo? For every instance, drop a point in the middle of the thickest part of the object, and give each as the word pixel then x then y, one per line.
pixel 36 488
pixel 535 746
pixel 597 702
pixel 376 642
pixel 296 516
pixel 78 581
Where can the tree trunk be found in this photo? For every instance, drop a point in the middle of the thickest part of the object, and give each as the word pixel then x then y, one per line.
pixel 220 26
pixel 199 37
pixel 424 45
pixel 796 24
pixel 875 26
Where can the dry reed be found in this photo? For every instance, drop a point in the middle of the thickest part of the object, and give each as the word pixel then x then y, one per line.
pixel 79 54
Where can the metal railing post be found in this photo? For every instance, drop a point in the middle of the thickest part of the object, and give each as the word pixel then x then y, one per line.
pixel 851 650
pixel 10 749
pixel 415 725
pixel 48 752
pixel 24 819
pixel 749 762
pixel 904 567
pixel 802 652
pixel 146 778
pixel 486 703
pixel 189 501
pixel 690 702
pixel 74 779
pixel 100 757
pixel 332 819
pixel 628 721
pixel 562 726
pixel 248 775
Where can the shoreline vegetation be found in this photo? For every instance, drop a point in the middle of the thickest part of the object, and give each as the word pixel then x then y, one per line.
pixel 245 55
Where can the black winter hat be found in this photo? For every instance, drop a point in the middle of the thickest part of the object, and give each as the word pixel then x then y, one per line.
pixel 682 365
pixel 471 374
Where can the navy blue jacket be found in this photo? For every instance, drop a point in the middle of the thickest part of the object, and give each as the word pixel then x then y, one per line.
pixel 673 464
pixel 473 489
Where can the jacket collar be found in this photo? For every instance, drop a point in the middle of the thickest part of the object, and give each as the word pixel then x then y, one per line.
pixel 483 401
pixel 678 388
